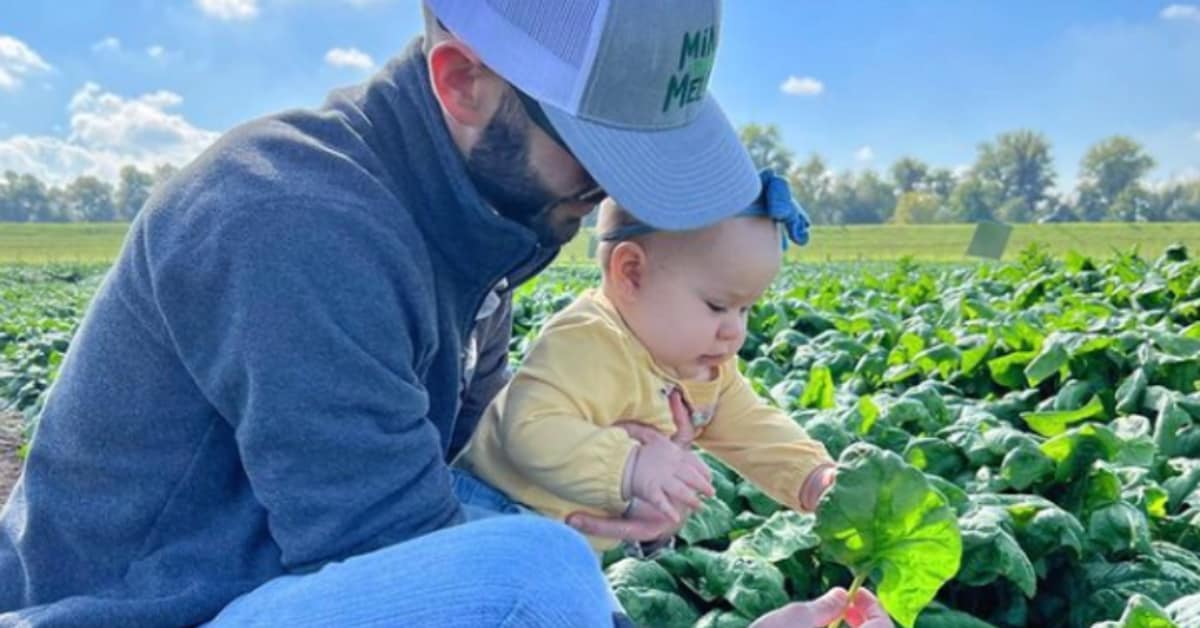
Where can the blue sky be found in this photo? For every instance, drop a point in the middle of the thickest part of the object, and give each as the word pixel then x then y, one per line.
pixel 91 84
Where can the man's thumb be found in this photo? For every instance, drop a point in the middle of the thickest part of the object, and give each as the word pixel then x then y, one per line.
pixel 829 607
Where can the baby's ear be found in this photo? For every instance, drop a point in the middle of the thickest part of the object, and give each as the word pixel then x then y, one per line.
pixel 628 267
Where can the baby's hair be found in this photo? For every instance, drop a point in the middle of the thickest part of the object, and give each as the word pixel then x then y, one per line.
pixel 611 217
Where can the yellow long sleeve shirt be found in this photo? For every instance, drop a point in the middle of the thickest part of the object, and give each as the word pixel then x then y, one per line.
pixel 548 439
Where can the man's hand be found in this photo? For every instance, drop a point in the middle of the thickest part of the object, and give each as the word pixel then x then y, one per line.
pixel 645 522
pixel 863 612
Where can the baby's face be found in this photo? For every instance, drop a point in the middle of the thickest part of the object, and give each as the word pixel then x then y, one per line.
pixel 691 310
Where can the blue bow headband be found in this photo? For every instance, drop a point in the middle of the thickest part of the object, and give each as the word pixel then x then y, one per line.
pixel 774 202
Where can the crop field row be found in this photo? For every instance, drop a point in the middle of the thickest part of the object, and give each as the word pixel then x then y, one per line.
pixel 27 243
pixel 1019 442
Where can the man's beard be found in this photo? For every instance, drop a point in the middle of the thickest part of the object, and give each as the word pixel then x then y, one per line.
pixel 499 166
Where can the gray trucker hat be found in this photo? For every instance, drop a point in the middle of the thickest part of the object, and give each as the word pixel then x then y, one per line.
pixel 625 84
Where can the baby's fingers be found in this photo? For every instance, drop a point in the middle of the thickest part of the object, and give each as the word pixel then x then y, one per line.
pixel 681 493
pixel 696 482
pixel 694 462
pixel 662 501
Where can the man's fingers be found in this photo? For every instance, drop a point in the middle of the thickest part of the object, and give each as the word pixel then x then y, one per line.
pixel 865 611
pixel 640 432
pixel 685 433
pixel 829 607
pixel 616 527
pixel 822 611
pixel 643 524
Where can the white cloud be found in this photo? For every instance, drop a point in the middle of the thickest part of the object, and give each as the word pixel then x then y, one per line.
pixel 229 9
pixel 1181 12
pixel 1196 136
pixel 108 44
pixel 17 61
pixel 349 58
pixel 156 52
pixel 107 132
pixel 864 154
pixel 802 86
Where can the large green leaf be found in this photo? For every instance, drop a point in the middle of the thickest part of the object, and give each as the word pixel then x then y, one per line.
pixel 1141 612
pixel 1042 527
pixel 1182 483
pixel 934 455
pixel 819 393
pixel 752 585
pixel 1055 422
pixel 651 607
pixel 759 501
pixel 783 534
pixel 942 359
pixel 1119 528
pixel 1176 344
pixel 1131 391
pixel 991 551
pixel 1009 370
pixel 1175 433
pixel 722 619
pixel 713 521
pixel 939 616
pixel 1185 611
pixel 765 371
pixel 1052 359
pixel 1026 466
pixel 1112 584
pixel 647 574
pixel 883 516
pixel 1075 450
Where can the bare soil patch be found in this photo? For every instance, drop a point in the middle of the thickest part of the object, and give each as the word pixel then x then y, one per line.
pixel 10 443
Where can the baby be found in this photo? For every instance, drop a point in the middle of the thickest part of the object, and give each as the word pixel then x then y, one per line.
pixel 670 315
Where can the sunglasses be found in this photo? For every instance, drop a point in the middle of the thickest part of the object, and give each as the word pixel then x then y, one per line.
pixel 591 196
pixel 538 115
pixel 533 109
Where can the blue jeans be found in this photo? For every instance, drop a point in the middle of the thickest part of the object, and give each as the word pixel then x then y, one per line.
pixel 481 500
pixel 520 570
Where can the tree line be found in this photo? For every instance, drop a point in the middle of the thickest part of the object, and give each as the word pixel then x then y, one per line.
pixel 1012 180
pixel 26 198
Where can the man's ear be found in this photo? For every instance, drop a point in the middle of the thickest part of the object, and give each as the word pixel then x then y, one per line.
pixel 627 266
pixel 466 89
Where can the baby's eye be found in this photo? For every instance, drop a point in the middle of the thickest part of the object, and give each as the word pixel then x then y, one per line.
pixel 744 310
pixel 718 309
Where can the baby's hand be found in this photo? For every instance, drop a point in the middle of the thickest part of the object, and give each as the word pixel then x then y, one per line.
pixel 667 476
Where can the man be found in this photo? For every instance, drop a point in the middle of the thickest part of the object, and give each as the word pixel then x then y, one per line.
pixel 254 420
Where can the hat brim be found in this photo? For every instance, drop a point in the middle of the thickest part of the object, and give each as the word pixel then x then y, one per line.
pixel 674 179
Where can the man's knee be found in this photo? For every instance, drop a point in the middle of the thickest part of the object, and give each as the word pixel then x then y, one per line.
pixel 559 575
pixel 540 538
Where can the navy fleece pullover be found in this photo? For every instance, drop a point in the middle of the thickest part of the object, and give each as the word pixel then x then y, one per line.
pixel 269 377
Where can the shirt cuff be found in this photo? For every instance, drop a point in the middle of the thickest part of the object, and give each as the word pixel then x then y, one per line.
pixel 814 492
pixel 614 472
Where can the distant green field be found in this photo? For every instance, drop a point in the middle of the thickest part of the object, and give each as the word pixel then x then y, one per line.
pixel 99 242
pixel 949 242
pixel 33 243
